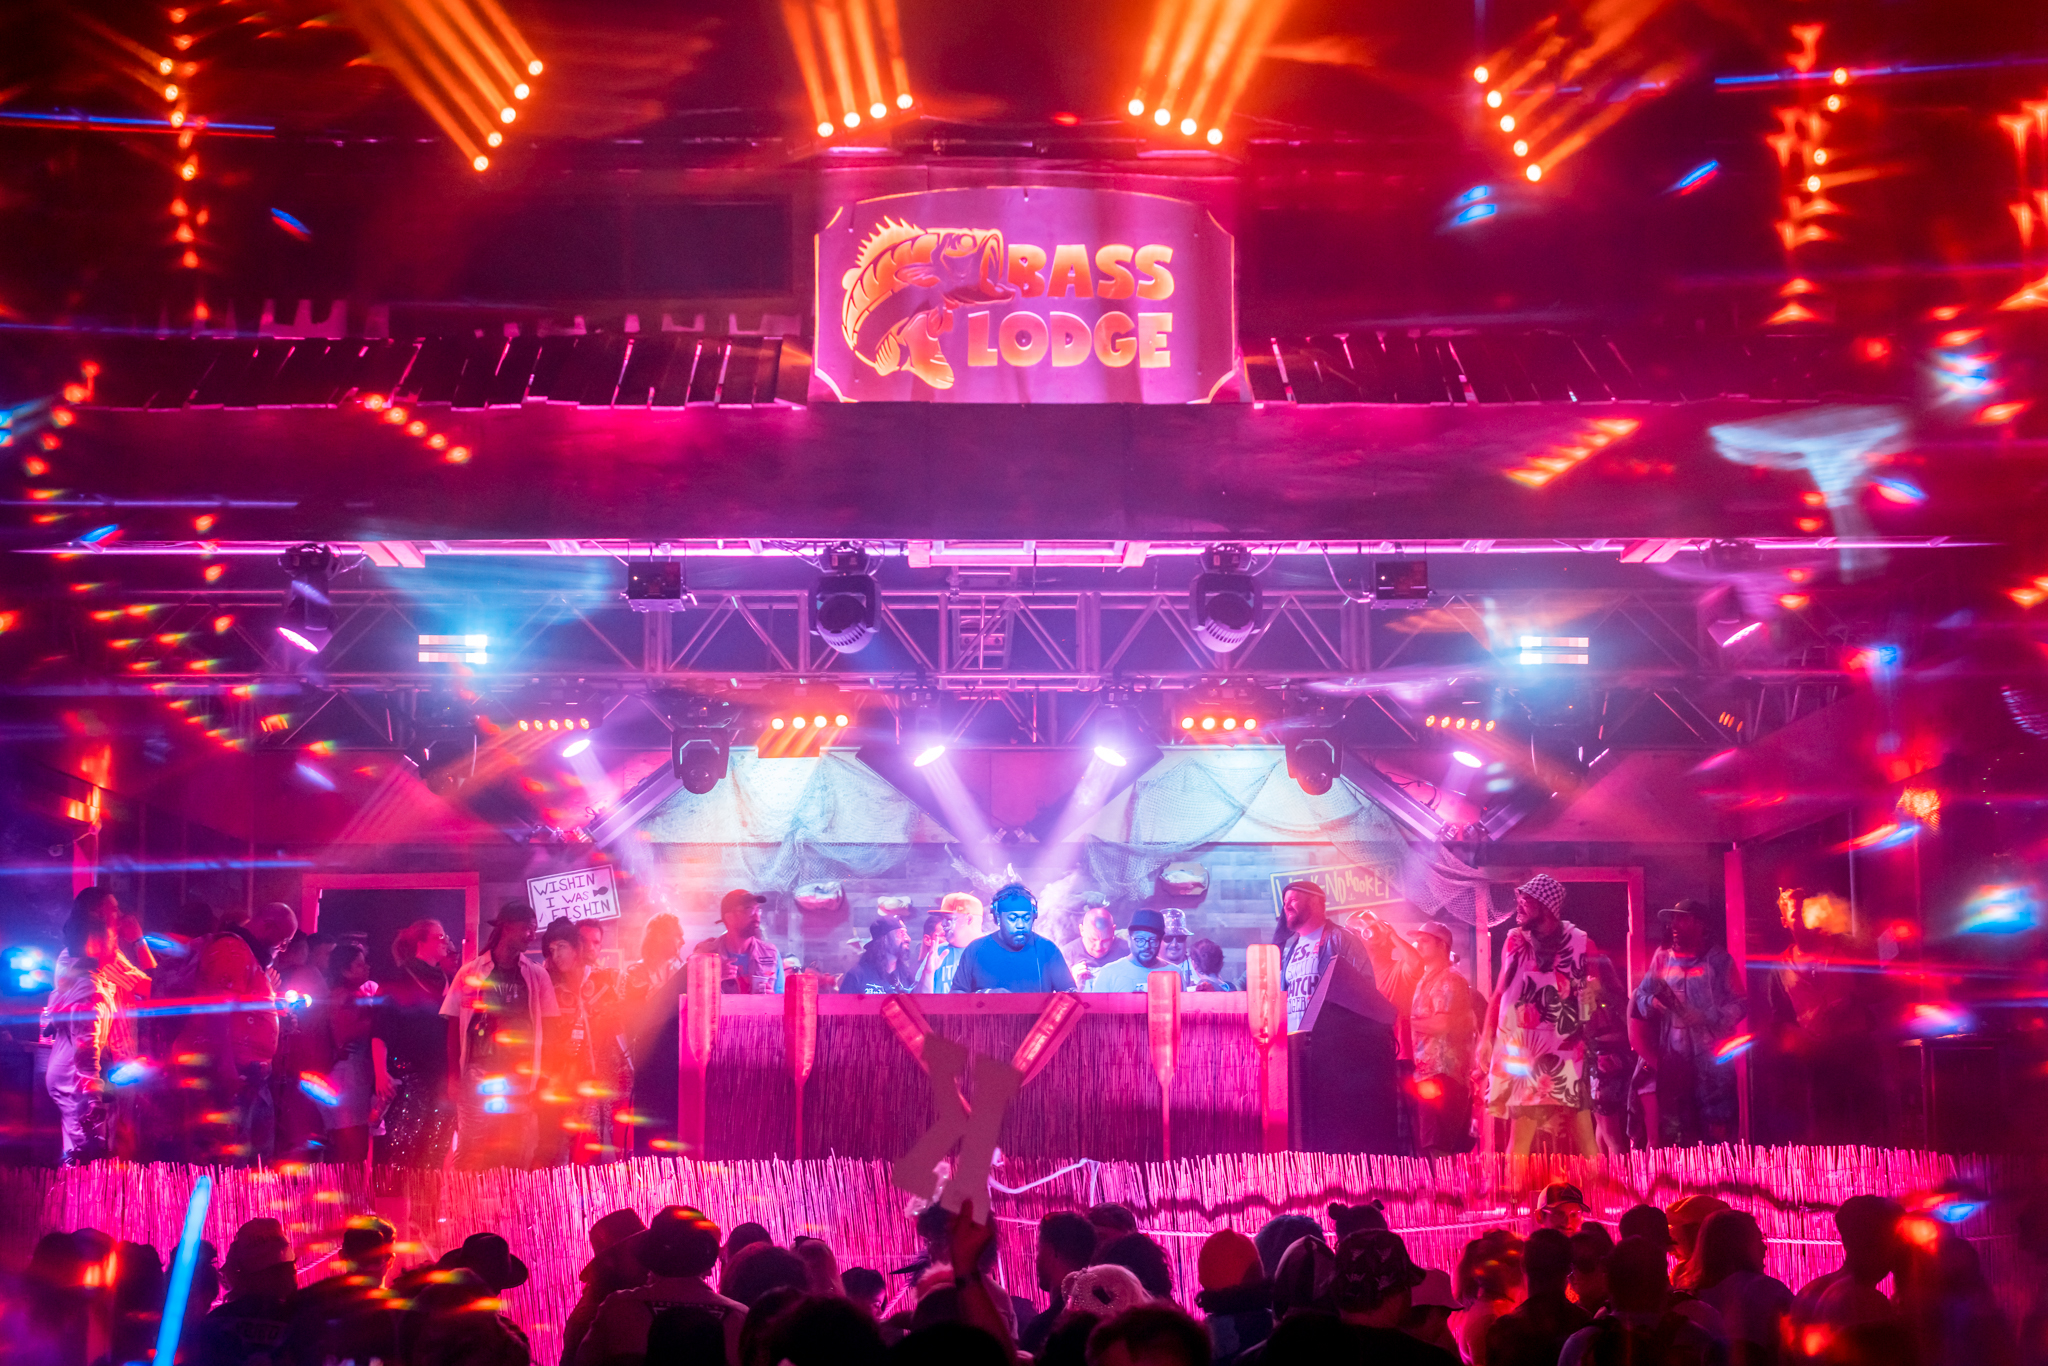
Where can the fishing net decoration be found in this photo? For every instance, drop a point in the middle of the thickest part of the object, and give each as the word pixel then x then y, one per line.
pixel 797 821
pixel 793 821
pixel 1439 883
pixel 1193 799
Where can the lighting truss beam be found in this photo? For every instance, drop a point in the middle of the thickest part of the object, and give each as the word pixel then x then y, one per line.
pixel 993 554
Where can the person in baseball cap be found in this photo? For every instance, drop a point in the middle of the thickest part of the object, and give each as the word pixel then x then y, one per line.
pixel 367 1246
pixel 1562 1206
pixel 1174 943
pixel 347 1317
pixel 748 964
pixel 1130 973
pixel 1443 1017
pixel 1375 1282
pixel 884 965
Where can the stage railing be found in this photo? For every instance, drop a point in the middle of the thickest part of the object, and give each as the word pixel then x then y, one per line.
pixel 1129 1076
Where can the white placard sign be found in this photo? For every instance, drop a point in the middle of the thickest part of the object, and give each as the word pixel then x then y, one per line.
pixel 585 894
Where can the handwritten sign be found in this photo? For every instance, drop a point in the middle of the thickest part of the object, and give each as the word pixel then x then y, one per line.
pixel 586 894
pixel 1350 887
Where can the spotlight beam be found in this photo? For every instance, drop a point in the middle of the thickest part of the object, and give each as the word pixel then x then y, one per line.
pixel 442 37
pixel 833 31
pixel 457 116
pixel 462 60
pixel 1199 23
pixel 436 61
pixel 864 49
pixel 1165 19
pixel 796 18
pixel 1257 35
pixel 892 39
pixel 1228 29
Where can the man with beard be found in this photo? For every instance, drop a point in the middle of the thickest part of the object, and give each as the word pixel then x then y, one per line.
pixel 1129 973
pixel 419 1122
pixel 1442 1022
pixel 749 964
pixel 1533 1046
pixel 1340 1028
pixel 879 971
pixel 499 1009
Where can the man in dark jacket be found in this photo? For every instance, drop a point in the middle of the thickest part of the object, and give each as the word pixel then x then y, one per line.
pixel 1340 1044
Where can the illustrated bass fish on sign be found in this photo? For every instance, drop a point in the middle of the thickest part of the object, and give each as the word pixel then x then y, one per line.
pixel 1025 296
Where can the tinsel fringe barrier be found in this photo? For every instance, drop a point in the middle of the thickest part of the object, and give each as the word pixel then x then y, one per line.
pixel 1436 1205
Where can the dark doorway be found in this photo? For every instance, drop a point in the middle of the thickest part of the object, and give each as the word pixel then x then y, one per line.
pixel 378 914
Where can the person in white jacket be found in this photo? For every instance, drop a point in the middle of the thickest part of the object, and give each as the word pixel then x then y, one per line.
pixel 90 1022
pixel 498 1008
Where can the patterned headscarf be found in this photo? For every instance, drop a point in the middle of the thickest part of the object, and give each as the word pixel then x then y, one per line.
pixel 1546 889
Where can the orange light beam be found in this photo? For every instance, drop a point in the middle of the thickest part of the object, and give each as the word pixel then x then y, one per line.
pixel 864 49
pixel 1166 18
pixel 826 16
pixel 892 39
pixel 400 64
pixel 1257 34
pixel 391 22
pixel 466 20
pixel 1227 30
pixel 508 33
pixel 1592 128
pixel 797 20
pixel 442 37
pixel 1201 18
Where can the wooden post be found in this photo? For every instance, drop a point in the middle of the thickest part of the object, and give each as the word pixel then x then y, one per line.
pixel 1266 1018
pixel 1737 911
pixel 1482 978
pixel 800 1040
pixel 1162 1017
pixel 699 1030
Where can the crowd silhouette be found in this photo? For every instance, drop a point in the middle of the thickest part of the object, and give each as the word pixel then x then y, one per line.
pixel 1683 1286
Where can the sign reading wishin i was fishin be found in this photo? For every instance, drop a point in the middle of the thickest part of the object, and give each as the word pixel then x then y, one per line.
pixel 1025 295
pixel 585 894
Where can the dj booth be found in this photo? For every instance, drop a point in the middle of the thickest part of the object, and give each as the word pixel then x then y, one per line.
pixel 1128 1076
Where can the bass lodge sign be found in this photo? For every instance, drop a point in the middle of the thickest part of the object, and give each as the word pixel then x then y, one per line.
pixel 1024 295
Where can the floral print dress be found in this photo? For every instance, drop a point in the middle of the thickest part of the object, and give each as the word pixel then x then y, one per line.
pixel 1539 1053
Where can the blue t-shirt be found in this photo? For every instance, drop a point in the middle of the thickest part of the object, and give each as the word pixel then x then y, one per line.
pixel 985 965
